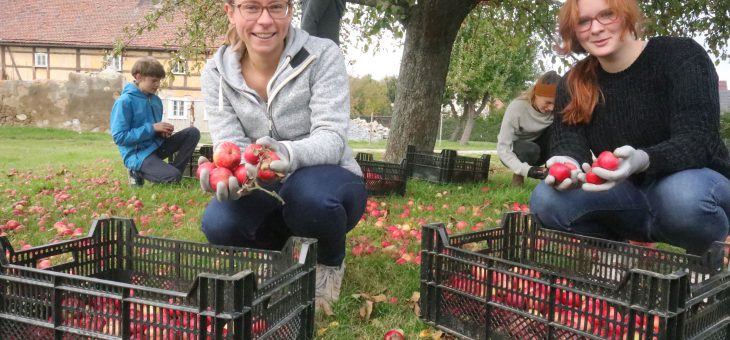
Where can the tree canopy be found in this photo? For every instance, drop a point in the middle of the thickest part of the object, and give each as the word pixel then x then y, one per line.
pixel 490 60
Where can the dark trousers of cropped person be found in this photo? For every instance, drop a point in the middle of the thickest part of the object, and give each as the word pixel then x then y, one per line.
pixel 534 152
pixel 183 142
pixel 322 202
pixel 321 18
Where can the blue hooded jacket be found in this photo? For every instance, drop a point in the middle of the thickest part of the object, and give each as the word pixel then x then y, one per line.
pixel 133 116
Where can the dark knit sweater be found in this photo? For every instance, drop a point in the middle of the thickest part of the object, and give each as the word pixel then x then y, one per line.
pixel 666 103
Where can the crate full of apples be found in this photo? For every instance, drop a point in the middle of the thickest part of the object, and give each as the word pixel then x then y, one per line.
pixel 117 284
pixel 520 281
pixel 382 178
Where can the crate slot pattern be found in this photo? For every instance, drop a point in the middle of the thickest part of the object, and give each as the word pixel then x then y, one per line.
pixel 382 178
pixel 525 282
pixel 192 167
pixel 116 282
pixel 446 167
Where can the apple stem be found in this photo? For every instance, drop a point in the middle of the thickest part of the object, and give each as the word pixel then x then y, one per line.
pixel 254 185
pixel 271 193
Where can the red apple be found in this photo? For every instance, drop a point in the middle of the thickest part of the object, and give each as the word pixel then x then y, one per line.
pixel 219 175
pixel 259 326
pixel 241 174
pixel 252 154
pixel 607 160
pixel 228 155
pixel 207 165
pixel 593 178
pixel 559 171
pixel 265 173
pixel 394 334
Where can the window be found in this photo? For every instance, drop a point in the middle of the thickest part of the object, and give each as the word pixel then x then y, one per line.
pixel 114 62
pixel 179 108
pixel 179 67
pixel 41 60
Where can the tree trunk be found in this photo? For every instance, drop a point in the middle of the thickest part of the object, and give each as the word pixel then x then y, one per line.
pixel 472 112
pixel 469 113
pixel 431 29
pixel 459 123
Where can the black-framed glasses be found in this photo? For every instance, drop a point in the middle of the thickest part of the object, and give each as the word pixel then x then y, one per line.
pixel 252 10
pixel 604 17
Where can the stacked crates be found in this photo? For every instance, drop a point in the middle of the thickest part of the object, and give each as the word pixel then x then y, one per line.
pixel 446 167
pixel 192 168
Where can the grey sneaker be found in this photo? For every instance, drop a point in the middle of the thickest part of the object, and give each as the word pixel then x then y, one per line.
pixel 135 179
pixel 329 282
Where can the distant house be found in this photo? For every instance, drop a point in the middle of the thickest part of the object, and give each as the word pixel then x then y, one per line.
pixel 48 39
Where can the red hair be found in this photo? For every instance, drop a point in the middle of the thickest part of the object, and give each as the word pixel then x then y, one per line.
pixel 581 81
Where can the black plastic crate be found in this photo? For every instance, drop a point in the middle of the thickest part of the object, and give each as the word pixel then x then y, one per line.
pixel 116 284
pixel 524 282
pixel 382 178
pixel 204 150
pixel 446 167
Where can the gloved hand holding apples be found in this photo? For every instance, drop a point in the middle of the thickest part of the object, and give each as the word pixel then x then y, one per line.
pixel 230 179
pixel 613 167
pixel 562 173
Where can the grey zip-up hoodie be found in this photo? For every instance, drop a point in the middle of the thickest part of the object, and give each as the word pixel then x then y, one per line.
pixel 308 106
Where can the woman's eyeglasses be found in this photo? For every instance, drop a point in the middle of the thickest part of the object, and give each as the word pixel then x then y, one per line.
pixel 252 11
pixel 604 18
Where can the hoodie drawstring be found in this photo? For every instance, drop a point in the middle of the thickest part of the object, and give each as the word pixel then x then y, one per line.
pixel 220 93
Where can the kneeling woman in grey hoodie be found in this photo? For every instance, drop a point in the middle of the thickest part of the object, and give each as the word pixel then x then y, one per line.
pixel 275 85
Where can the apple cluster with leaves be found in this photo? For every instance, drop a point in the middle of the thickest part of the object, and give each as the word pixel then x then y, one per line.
pixel 227 163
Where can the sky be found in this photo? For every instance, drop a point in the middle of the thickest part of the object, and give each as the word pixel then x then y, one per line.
pixel 387 62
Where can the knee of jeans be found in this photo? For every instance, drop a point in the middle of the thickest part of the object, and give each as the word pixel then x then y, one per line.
pixel 542 199
pixel 315 216
pixel 224 231
pixel 195 133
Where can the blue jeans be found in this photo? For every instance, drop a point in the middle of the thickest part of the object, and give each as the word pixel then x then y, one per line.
pixel 688 209
pixel 323 202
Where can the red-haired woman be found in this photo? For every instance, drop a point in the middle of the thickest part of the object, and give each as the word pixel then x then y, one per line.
pixel 654 103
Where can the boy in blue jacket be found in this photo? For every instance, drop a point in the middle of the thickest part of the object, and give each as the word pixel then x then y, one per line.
pixel 143 139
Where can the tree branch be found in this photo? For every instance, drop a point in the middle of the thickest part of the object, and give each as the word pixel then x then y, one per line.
pixel 485 98
pixel 453 108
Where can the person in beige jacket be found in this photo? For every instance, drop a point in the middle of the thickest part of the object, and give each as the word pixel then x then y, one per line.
pixel 523 138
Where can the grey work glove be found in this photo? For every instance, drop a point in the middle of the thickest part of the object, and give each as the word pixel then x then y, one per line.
pixel 631 162
pixel 568 183
pixel 283 165
pixel 223 192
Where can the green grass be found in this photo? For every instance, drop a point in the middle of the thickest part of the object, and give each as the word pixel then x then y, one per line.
pixel 36 164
